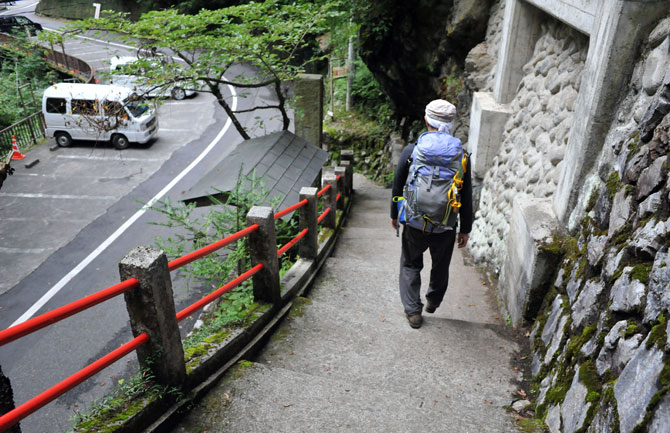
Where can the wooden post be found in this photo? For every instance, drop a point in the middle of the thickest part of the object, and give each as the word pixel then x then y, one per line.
pixel 7 400
pixel 263 250
pixel 151 309
pixel 308 247
pixel 331 219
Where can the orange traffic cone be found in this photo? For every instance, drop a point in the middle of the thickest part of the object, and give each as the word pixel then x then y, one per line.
pixel 16 155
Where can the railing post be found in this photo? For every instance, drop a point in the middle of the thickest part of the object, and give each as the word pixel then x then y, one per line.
pixel 308 247
pixel 331 219
pixel 263 250
pixel 349 175
pixel 341 185
pixel 347 155
pixel 7 400
pixel 151 309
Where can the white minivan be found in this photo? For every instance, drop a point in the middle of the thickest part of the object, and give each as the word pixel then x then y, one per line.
pixel 75 111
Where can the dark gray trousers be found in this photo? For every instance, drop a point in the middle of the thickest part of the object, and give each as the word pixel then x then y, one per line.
pixel 414 244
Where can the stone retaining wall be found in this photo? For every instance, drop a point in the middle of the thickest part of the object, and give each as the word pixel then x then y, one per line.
pixel 534 139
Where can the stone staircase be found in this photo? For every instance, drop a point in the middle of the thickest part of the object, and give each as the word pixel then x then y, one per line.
pixel 346 360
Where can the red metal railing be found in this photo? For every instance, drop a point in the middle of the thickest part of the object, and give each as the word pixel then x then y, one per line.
pixel 15 332
pixel 14 416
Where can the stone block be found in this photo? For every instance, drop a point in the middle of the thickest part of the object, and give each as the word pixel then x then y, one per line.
pixel 553 419
pixel 658 298
pixel 585 309
pixel 309 107
pixel 660 422
pixel 573 409
pixel 529 266
pixel 627 294
pixel 603 421
pixel 637 385
pixel 487 123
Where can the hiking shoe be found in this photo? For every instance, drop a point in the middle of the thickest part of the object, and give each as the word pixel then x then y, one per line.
pixel 415 320
pixel 430 308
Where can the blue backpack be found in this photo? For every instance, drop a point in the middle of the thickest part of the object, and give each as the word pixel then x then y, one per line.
pixel 431 196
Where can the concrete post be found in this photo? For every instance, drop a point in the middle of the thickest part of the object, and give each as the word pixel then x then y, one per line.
pixel 151 310
pixel 528 266
pixel 349 177
pixel 331 219
pixel 521 31
pixel 263 250
pixel 347 155
pixel 617 34
pixel 309 107
pixel 341 185
pixel 7 400
pixel 487 123
pixel 308 248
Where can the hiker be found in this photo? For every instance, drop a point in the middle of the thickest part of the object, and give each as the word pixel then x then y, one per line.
pixel 433 186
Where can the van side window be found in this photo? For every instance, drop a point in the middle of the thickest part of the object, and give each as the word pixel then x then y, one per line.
pixel 84 107
pixel 56 105
pixel 112 108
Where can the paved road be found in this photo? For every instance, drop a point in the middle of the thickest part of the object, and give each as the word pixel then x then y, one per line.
pixel 57 214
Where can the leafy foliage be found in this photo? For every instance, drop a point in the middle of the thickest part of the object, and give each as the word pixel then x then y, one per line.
pixel 21 63
pixel 226 216
pixel 264 35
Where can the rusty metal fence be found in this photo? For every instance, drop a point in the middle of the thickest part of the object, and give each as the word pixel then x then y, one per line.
pixel 28 132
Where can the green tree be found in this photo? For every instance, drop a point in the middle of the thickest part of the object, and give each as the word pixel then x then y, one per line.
pixel 269 36
pixel 20 64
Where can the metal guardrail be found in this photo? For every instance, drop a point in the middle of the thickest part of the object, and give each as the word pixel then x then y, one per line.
pixel 28 131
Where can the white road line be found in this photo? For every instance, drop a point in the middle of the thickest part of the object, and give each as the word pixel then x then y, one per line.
pixel 127 47
pixel 14 10
pixel 174 130
pixel 182 102
pixel 93 255
pixel 58 196
pixel 23 250
pixel 110 158
pixel 41 221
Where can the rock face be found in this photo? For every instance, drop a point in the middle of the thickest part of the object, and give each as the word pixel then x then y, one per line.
pixel 408 46
pixel 608 322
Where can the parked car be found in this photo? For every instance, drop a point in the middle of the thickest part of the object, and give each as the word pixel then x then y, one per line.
pixel 18 23
pixel 140 83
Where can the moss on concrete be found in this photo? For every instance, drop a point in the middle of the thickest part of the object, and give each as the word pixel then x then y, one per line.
pixel 298 308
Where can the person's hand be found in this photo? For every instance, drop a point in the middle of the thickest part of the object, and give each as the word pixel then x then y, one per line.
pixel 394 224
pixel 463 239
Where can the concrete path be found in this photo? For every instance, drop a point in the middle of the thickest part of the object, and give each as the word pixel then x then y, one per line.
pixel 347 360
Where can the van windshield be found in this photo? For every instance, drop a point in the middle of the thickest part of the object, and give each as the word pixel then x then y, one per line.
pixel 136 107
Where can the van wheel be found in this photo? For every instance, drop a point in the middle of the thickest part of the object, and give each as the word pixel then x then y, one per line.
pixel 120 142
pixel 178 93
pixel 63 139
